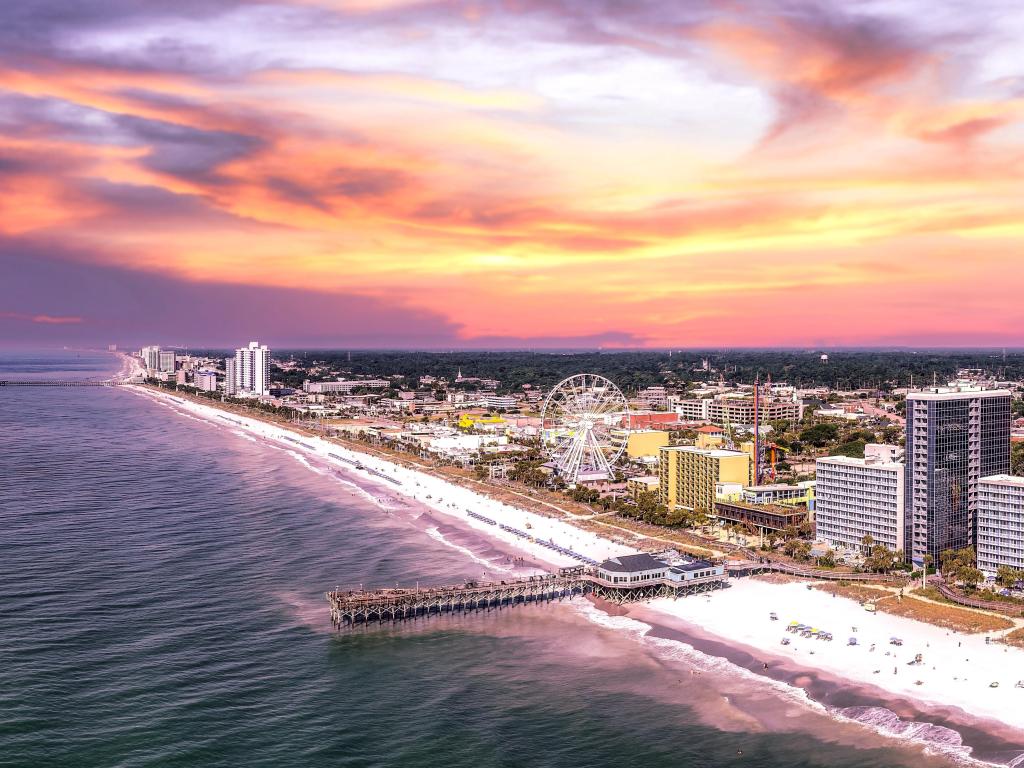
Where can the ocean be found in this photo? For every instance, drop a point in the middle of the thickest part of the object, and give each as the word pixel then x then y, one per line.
pixel 161 604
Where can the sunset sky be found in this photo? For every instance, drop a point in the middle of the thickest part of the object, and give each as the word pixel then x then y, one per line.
pixel 525 173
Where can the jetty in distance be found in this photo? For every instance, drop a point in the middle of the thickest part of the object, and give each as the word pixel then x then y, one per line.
pixel 62 383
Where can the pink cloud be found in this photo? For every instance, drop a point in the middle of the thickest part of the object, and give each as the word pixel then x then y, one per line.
pixel 43 319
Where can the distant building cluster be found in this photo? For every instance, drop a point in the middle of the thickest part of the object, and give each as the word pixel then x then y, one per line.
pixel 948 488
pixel 703 448
pixel 246 374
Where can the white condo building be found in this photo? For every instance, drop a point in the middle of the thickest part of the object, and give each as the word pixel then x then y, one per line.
pixel 500 402
pixel 151 358
pixel 1000 522
pixel 343 387
pixel 167 360
pixel 230 382
pixel 206 381
pixel 248 372
pixel 855 498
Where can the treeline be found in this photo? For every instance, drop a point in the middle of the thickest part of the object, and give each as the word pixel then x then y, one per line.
pixel 633 370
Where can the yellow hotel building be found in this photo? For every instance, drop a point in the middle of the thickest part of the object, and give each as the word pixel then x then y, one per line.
pixel 688 475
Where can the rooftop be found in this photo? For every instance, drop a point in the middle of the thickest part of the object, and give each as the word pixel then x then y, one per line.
pixel 770 509
pixel 955 393
pixel 865 462
pixel 1014 480
pixel 715 453
pixel 693 565
pixel 632 563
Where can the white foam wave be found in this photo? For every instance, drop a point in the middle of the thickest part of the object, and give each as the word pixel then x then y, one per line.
pixel 435 534
pixel 305 462
pixel 934 739
pixel 678 650
pixel 359 490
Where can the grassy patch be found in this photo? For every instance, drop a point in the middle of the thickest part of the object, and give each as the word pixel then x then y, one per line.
pixel 945 615
pixel 1015 638
pixel 857 592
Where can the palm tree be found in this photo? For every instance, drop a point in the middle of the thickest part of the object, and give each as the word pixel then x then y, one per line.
pixel 867 542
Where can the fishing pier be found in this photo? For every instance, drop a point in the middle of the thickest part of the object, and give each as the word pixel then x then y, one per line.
pixel 617 580
pixel 62 383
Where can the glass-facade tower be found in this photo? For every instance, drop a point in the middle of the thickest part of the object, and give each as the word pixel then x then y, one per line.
pixel 954 437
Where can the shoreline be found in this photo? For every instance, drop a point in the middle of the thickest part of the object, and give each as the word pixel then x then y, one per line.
pixel 987 725
pixel 934 724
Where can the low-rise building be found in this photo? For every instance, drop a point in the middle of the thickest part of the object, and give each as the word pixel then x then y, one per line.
pixel 737 410
pixel 642 484
pixel 1000 523
pixel 500 402
pixel 695 570
pixel 628 570
pixel 855 498
pixel 645 442
pixel 205 381
pixel 765 518
pixel 640 570
pixel 788 495
pixel 342 386
pixel 642 419
pixel 654 397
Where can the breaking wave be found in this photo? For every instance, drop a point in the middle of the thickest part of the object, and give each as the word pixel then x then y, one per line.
pixel 934 739
pixel 435 534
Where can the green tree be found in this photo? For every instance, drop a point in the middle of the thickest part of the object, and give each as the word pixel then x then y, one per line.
pixel 960 567
pixel 1017 458
pixel 1008 576
pixel 971 577
pixel 854 449
pixel 648 501
pixel 820 435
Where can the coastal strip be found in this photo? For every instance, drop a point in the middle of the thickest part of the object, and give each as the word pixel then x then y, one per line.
pixel 965 666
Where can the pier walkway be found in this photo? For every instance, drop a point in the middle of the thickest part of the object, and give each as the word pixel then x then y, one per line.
pixel 61 383
pixel 349 608
pixel 754 567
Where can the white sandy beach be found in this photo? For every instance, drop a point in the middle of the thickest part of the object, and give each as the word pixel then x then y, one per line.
pixel 427 489
pixel 957 669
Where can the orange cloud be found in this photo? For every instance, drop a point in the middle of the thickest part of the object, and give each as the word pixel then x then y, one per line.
pixel 516 198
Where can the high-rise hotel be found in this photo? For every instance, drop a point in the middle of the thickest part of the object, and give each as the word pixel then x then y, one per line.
pixel 248 372
pixel 955 437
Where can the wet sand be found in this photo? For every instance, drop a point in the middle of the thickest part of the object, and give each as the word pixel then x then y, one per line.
pixel 988 740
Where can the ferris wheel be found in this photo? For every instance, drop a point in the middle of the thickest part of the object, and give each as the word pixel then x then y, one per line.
pixel 583 420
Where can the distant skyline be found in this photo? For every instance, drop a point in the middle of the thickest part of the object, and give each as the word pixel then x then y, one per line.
pixel 528 174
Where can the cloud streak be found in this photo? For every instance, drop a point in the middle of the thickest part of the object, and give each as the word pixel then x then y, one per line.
pixel 436 173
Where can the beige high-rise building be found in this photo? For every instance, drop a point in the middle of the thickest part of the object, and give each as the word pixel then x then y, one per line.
pixel 688 475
